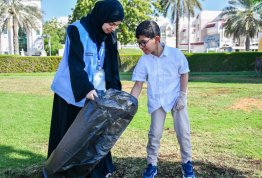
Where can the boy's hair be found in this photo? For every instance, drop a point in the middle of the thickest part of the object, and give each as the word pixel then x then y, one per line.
pixel 148 28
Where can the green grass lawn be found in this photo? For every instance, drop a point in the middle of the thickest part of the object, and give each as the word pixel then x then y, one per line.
pixel 130 51
pixel 225 112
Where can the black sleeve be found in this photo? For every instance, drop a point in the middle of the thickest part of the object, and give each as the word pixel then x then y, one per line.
pixel 115 82
pixel 79 78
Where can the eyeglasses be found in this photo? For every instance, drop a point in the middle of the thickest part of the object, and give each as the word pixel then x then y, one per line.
pixel 143 43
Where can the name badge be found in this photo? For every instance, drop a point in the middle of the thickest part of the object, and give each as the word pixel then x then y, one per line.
pixel 99 80
pixel 89 54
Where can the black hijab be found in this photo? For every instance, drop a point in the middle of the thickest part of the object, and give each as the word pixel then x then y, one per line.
pixel 105 11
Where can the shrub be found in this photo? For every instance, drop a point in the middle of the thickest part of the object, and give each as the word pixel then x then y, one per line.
pixel 198 62
pixel 17 64
pixel 222 62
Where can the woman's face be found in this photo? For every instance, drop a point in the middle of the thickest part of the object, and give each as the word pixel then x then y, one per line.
pixel 110 27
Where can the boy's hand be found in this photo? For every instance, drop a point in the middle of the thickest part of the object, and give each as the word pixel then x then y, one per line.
pixel 180 102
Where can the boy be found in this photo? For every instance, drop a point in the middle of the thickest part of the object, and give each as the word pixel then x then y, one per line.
pixel 165 70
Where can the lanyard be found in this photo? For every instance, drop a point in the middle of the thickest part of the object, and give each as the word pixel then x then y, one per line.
pixel 98 54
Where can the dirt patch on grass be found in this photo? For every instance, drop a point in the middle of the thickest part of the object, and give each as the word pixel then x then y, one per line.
pixel 215 92
pixel 248 104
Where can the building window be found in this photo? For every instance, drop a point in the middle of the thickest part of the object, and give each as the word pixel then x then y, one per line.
pixel 22 39
pixel 5 31
pixel 37 32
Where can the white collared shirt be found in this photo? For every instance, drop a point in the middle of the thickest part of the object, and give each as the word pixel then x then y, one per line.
pixel 162 75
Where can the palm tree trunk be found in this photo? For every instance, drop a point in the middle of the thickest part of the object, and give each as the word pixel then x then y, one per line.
pixel 10 36
pixel 177 23
pixel 15 36
pixel 189 41
pixel 247 43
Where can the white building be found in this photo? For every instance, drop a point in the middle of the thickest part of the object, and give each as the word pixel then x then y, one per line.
pixel 166 30
pixel 31 42
pixel 207 33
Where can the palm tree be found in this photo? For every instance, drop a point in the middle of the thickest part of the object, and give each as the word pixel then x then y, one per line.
pixel 170 6
pixel 178 8
pixel 243 18
pixel 14 15
pixel 191 5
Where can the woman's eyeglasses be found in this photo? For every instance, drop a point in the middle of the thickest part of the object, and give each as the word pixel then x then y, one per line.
pixel 143 43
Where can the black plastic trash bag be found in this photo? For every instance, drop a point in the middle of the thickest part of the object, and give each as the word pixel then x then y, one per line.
pixel 95 130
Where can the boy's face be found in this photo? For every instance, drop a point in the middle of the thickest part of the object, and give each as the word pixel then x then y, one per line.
pixel 146 44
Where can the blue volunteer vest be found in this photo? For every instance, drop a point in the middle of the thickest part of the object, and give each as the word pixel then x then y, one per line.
pixel 62 84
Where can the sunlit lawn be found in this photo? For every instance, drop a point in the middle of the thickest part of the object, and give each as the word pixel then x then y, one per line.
pixel 226 127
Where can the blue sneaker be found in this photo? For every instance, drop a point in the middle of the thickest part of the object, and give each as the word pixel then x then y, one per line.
pixel 187 170
pixel 150 171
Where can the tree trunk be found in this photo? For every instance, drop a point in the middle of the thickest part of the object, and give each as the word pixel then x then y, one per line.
pixel 10 36
pixel 177 23
pixel 15 36
pixel 189 41
pixel 247 43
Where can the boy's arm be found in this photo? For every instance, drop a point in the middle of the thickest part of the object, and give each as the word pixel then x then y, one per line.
pixel 183 82
pixel 136 90
pixel 181 100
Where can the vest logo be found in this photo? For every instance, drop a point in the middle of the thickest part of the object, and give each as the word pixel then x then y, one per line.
pixel 89 54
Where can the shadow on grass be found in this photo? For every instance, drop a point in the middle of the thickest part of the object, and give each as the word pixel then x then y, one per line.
pixel 18 163
pixel 133 168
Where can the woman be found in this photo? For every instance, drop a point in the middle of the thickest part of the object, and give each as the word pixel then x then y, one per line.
pixel 90 63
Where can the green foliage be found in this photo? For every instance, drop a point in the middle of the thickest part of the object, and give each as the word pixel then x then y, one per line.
pixel 219 62
pixel 206 62
pixel 198 62
pixel 82 8
pixel 11 64
pixel 128 62
pixel 242 19
pixel 25 16
pixel 176 9
pixel 57 32
pixel 135 12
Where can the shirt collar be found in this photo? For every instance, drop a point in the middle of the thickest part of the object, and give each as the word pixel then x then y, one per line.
pixel 165 50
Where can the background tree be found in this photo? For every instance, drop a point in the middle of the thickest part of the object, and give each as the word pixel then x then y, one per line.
pixel 172 8
pixel 177 9
pixel 14 15
pixel 82 8
pixel 135 12
pixel 191 5
pixel 56 31
pixel 242 19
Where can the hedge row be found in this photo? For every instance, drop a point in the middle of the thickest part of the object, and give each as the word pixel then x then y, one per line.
pixel 222 62
pixel 198 62
pixel 17 64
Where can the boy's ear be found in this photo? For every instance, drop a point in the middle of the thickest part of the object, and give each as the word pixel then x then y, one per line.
pixel 157 38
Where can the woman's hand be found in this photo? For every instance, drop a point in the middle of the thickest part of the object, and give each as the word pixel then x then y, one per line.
pixel 91 95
